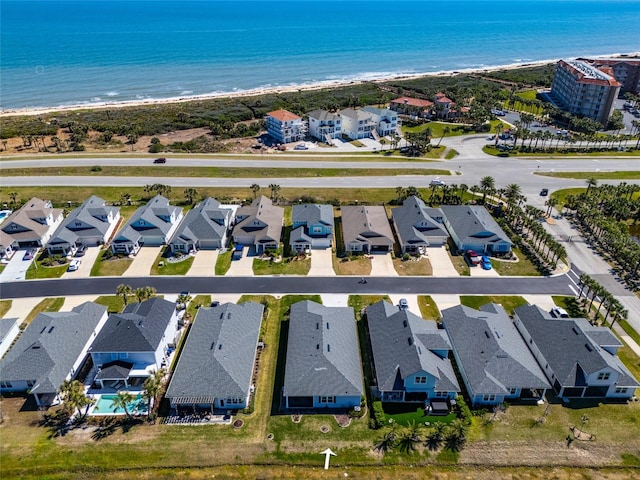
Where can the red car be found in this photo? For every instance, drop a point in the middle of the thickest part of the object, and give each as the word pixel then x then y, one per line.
pixel 473 258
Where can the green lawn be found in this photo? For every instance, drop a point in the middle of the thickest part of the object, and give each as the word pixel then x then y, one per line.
pixel 523 267
pixel 5 305
pixel 38 271
pixel 110 268
pixel 413 266
pixel 197 302
pixel 405 414
pixel 356 265
pixel 223 263
pixel 619 175
pixel 288 266
pixel 428 308
pixel 437 129
pixel 507 301
pixel 561 195
pixel 171 268
pixel 114 303
pixel 451 154
pixel 46 305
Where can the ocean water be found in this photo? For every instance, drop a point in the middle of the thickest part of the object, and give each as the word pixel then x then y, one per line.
pixel 59 52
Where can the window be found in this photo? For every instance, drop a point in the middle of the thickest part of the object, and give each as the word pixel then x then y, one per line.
pixel 421 380
pixel 5 384
pixel 31 383
pixel 330 399
pixel 512 391
pixel 604 376
pixel 621 390
pixel 441 394
pixel 489 398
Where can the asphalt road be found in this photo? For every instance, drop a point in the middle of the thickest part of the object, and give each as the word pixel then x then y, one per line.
pixel 557 285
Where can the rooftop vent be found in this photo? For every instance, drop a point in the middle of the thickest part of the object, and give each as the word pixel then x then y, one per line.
pixel 588 347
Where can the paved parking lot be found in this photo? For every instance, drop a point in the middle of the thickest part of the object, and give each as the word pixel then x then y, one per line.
pixel 84 270
pixel 16 269
pixel 441 262
pixel 322 263
pixel 382 265
pixel 204 265
pixel 143 261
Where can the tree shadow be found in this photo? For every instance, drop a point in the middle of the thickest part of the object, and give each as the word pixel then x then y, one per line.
pixel 106 428
pixel 57 422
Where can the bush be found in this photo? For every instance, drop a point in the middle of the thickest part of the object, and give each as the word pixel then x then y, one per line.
pixel 156 148
pixel 96 168
pixel 377 416
pixel 463 411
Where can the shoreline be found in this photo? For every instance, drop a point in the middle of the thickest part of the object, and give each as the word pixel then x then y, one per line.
pixel 327 84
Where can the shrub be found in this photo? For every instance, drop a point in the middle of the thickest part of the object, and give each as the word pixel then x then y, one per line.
pixel 96 168
pixel 377 416
pixel 462 410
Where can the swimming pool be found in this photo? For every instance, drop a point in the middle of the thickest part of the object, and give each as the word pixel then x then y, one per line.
pixel 103 406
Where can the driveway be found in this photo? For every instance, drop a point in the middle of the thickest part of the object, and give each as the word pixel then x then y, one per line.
pixel 16 269
pixel 243 267
pixel 21 307
pixel 382 265
pixel 441 262
pixel 478 271
pixel 446 301
pixel 84 270
pixel 412 300
pixel 143 261
pixel 322 263
pixel 75 300
pixel 204 265
pixel 335 300
pixel 543 301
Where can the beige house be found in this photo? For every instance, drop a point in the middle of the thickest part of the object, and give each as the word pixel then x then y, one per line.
pixel 259 224
pixel 366 229
pixel 30 226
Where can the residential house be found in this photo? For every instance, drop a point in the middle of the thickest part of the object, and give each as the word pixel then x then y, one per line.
pixel 312 227
pixel 579 359
pixel 325 126
pixel 443 105
pixel 385 121
pixel 9 331
pixel 7 245
pixel 356 124
pixel 216 365
pixel 30 226
pixel 366 229
pixel 51 350
pixel 413 107
pixel 473 228
pixel 285 127
pixel 89 225
pixel 134 343
pixel 582 89
pixel 418 226
pixel 152 224
pixel 259 224
pixel 410 356
pixel 323 368
pixel 493 359
pixel 205 227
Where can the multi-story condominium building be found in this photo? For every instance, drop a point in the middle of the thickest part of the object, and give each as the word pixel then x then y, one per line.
pixel 385 120
pixel 357 124
pixel 625 70
pixel 324 125
pixel 582 89
pixel 285 127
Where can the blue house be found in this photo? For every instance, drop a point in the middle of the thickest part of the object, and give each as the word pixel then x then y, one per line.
pixel 312 227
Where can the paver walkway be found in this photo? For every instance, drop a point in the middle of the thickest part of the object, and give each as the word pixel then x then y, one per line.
pixel 441 262
pixel 322 263
pixel 382 265
pixel 204 265
pixel 87 261
pixel 143 261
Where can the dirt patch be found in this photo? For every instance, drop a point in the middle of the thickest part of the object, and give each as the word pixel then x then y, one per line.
pixel 343 420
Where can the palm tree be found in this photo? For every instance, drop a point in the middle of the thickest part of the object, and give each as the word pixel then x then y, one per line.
pixel 144 293
pixel 456 435
pixel 388 441
pixel 122 400
pixel 14 198
pixel 486 185
pixel 183 299
pixel 190 194
pixel 125 291
pixel 72 393
pixel 255 188
pixel 435 436
pixel 400 193
pixel 410 438
pixel 275 189
pixel 445 131
pixel 591 182
pixel 152 387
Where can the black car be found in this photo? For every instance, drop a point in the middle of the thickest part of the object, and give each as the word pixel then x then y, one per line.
pixel 544 192
pixel 82 249
pixel 160 160
pixel 215 303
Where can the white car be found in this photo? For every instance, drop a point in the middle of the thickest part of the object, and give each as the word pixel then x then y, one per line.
pixel 74 265
pixel 439 183
pixel 301 146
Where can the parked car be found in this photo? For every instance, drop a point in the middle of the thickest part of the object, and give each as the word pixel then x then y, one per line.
pixel 559 312
pixel 215 303
pixel 160 160
pixel 472 257
pixel 82 249
pixel 486 263
pixel 74 265
pixel 301 146
pixel 29 254
pixel 403 304
pixel 437 182
pixel 544 192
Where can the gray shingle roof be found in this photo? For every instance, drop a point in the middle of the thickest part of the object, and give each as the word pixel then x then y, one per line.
pixel 138 329
pixel 88 215
pixel 322 352
pixel 355 114
pixel 261 219
pixel 6 325
pixel 116 370
pixel 473 223
pixel 25 219
pixel 218 356
pixel 206 221
pixel 152 214
pixel 493 356
pixel 323 115
pixel 50 345
pixel 571 346
pixel 414 225
pixel 366 224
pixel 311 214
pixel 404 344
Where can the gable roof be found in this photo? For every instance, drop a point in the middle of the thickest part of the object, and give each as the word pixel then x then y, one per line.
pixel 283 115
pixel 261 219
pixel 139 328
pixel 380 112
pixel 493 357
pixel 571 346
pixel 473 223
pixel 26 220
pixel 51 344
pixel 323 115
pixel 88 214
pixel 355 114
pixel 366 224
pixel 414 225
pixel 322 352
pixel 404 344
pixel 218 356
pixel 206 221
pixel 312 214
pixel 151 214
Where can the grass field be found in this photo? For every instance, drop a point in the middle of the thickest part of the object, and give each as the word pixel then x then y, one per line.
pixel 114 303
pixel 110 268
pixel 508 302
pixel 46 305
pixel 357 265
pixel 293 267
pixel 223 263
pixel 171 268
pixel 420 266
pixel 523 267
pixel 428 308
pixel 38 271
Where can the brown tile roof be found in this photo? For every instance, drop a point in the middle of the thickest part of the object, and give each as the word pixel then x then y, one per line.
pixel 414 102
pixel 582 77
pixel 283 115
